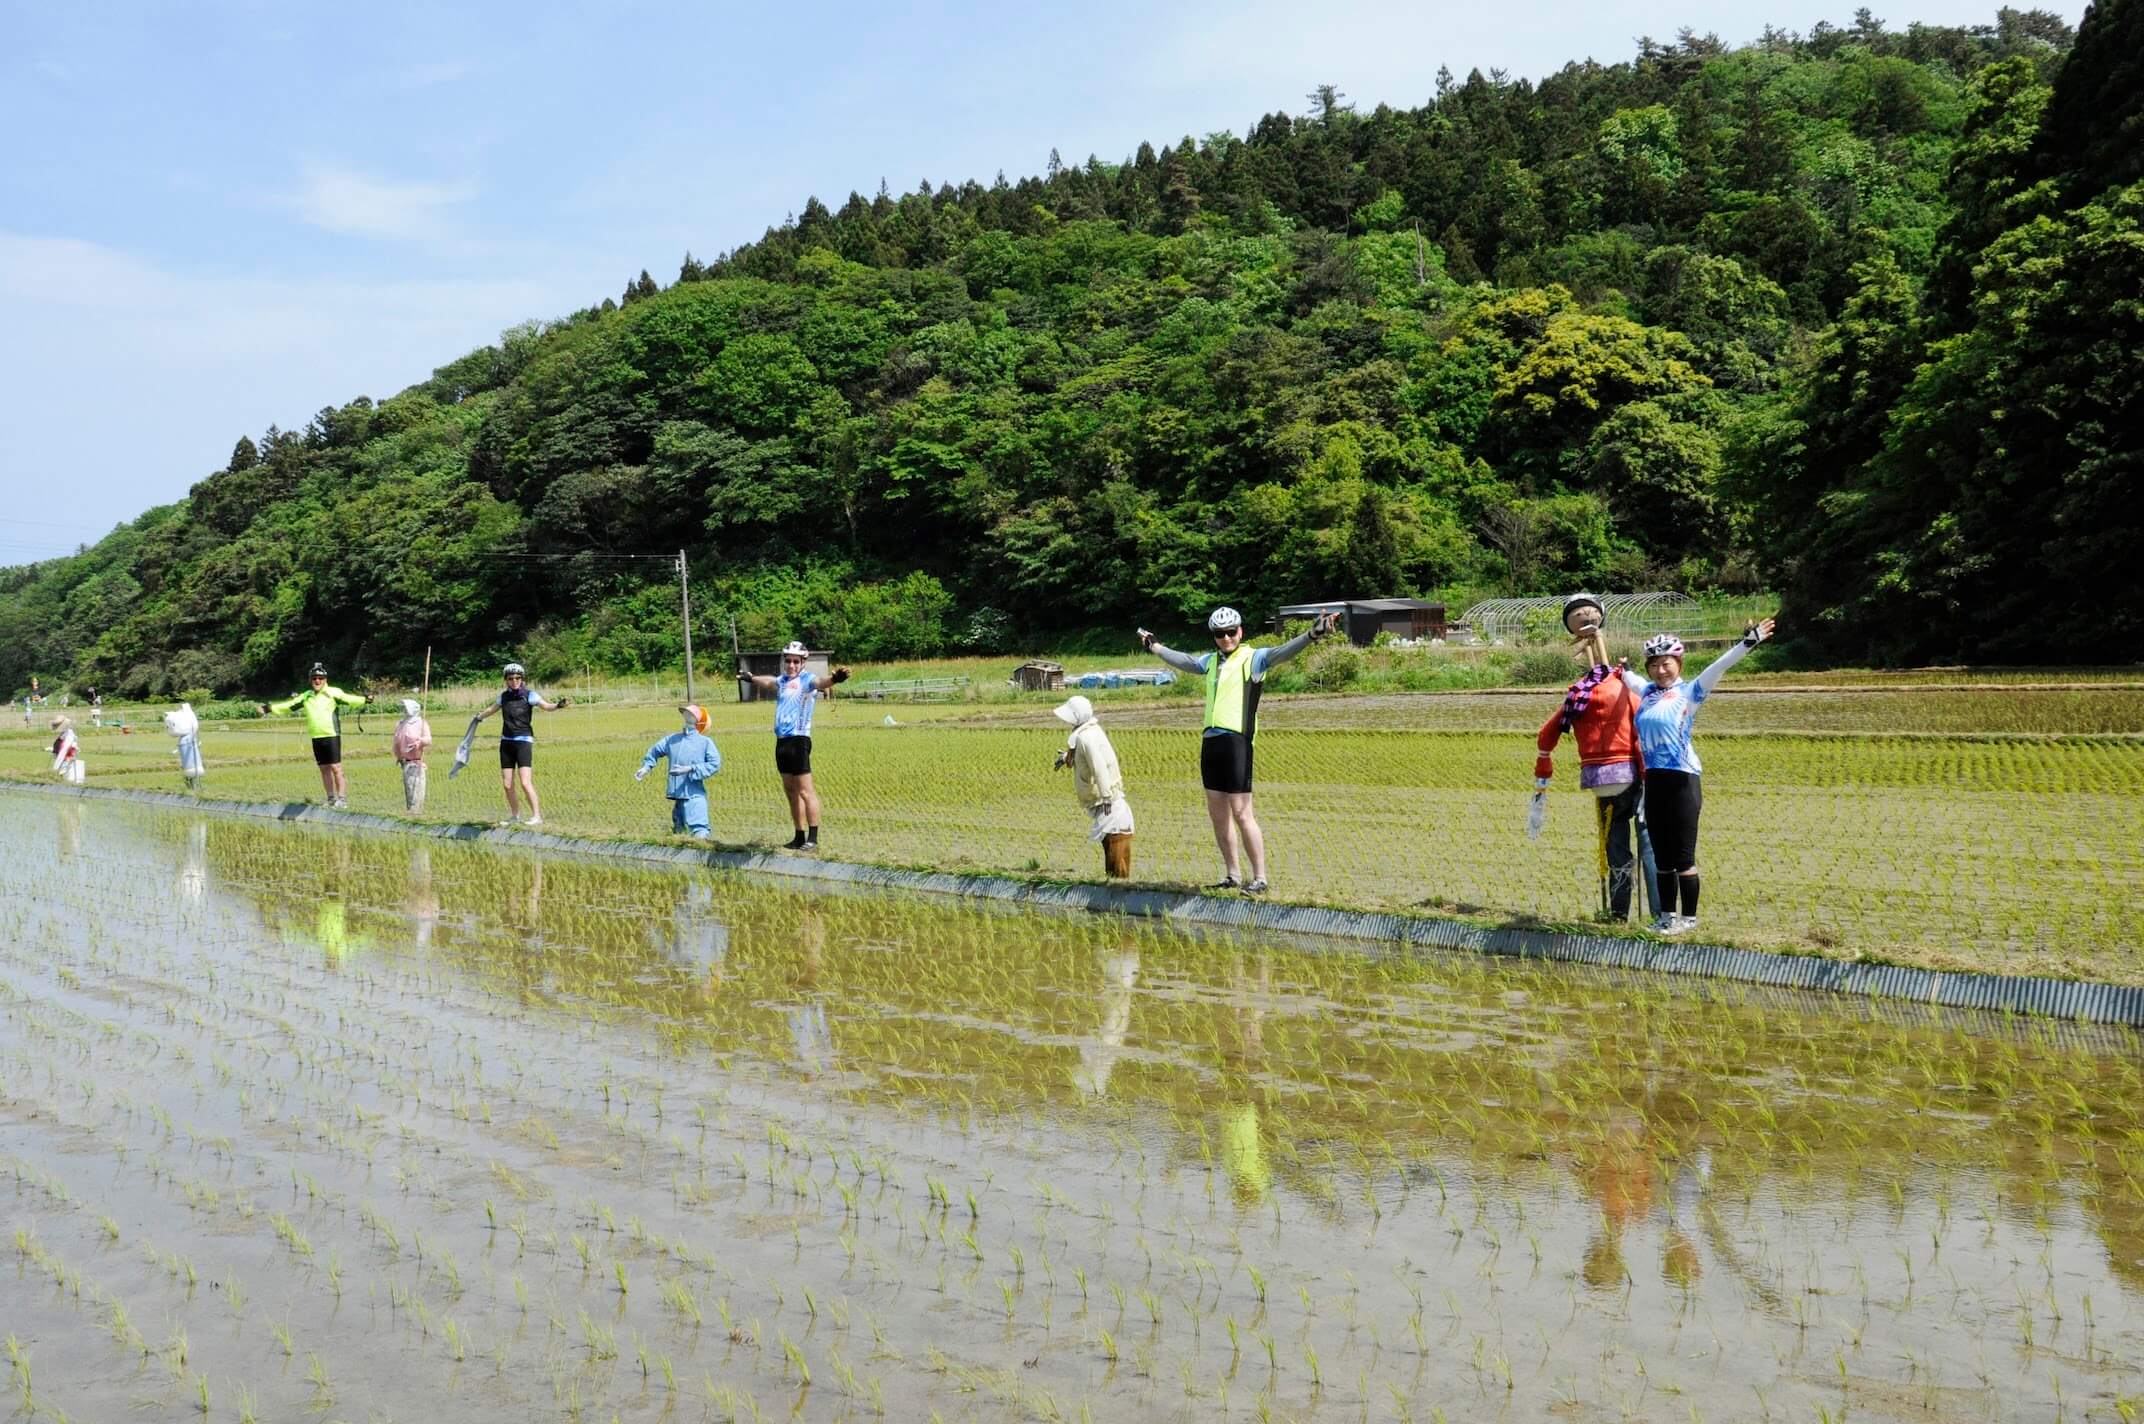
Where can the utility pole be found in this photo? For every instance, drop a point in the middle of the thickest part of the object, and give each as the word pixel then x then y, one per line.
pixel 684 588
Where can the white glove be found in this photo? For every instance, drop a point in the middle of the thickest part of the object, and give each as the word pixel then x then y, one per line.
pixel 641 775
pixel 1537 809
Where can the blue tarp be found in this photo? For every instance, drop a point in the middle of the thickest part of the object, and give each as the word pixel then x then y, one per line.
pixel 1141 677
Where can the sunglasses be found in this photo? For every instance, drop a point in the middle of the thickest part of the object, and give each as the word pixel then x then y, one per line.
pixel 1227 633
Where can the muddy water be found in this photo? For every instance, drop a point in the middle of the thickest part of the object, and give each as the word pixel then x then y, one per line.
pixel 312 1122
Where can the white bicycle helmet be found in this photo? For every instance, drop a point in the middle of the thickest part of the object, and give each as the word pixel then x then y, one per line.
pixel 1663 645
pixel 513 670
pixel 1224 619
pixel 795 649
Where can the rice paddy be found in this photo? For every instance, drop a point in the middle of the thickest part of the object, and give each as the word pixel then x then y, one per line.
pixel 1998 829
pixel 300 1123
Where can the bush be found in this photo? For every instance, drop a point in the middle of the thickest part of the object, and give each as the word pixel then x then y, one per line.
pixel 988 630
pixel 902 618
pixel 1540 667
pixel 1332 666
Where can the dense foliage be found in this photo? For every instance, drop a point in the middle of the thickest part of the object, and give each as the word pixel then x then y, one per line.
pixel 1854 312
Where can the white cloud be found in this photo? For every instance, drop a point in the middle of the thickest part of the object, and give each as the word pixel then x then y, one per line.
pixel 123 381
pixel 344 200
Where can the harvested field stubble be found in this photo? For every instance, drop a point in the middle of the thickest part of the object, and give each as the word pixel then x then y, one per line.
pixel 300 1121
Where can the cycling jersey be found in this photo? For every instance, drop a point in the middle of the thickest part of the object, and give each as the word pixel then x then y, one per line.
pixel 794 698
pixel 1665 713
pixel 322 708
pixel 517 714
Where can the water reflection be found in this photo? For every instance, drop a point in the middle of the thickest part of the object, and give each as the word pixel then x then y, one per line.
pixel 421 900
pixel 695 937
pixel 1291 1071
pixel 192 879
pixel 1098 1055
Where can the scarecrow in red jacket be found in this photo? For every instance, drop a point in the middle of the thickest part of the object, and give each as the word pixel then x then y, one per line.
pixel 1599 713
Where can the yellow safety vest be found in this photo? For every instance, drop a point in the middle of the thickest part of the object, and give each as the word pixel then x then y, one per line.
pixel 1231 700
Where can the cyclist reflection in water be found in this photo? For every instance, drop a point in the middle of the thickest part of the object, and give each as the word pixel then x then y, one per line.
pixel 1243 1149
pixel 811 1038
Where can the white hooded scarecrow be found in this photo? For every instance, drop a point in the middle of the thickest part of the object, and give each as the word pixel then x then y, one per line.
pixel 184 724
pixel 1098 785
pixel 66 753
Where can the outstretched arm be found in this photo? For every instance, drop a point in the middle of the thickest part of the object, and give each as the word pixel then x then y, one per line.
pixel 764 681
pixel 1271 658
pixel 1182 662
pixel 1710 677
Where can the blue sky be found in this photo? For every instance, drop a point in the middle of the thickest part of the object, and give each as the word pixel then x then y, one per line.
pixel 218 216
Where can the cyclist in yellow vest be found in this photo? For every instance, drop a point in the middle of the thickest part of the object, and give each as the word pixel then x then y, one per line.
pixel 1235 676
pixel 322 706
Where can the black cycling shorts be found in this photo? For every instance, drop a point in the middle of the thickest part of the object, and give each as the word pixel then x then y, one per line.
pixel 792 756
pixel 1225 762
pixel 1673 802
pixel 513 754
pixel 327 751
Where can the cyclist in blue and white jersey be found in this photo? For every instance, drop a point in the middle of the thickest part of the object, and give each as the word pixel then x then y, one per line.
pixel 795 693
pixel 1674 795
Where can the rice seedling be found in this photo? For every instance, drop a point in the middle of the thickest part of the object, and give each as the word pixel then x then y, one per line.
pixel 1670 1156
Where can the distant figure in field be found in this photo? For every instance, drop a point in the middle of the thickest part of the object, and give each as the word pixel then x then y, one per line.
pixel 66 753
pixel 322 706
pixel 693 759
pixel 1097 784
pixel 516 711
pixel 1673 795
pixel 184 724
pixel 795 693
pixel 413 738
pixel 1600 713
pixel 96 708
pixel 1235 676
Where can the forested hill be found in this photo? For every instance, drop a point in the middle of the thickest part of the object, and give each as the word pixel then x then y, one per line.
pixel 1857 315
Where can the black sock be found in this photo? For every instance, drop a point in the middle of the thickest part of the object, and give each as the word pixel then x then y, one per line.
pixel 796 841
pixel 1667 891
pixel 813 837
pixel 1689 894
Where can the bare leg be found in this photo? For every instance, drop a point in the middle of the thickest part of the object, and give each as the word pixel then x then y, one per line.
pixel 342 787
pixel 1254 838
pixel 327 782
pixel 808 795
pixel 527 775
pixel 513 802
pixel 1224 829
pixel 793 793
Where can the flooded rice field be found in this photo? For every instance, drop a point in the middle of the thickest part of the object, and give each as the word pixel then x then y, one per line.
pixel 299 1124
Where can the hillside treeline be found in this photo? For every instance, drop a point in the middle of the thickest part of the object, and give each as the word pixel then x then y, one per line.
pixel 1854 314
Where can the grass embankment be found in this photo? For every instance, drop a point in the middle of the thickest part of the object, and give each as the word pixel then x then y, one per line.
pixel 2006 834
